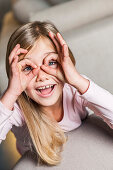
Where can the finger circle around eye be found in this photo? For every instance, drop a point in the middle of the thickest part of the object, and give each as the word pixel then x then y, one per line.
pixel 18 51
pixel 50 57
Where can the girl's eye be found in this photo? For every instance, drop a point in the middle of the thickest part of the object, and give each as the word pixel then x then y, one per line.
pixel 52 63
pixel 27 68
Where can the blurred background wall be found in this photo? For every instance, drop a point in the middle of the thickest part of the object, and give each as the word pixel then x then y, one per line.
pixel 5 6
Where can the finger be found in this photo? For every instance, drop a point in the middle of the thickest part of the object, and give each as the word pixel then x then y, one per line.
pixel 15 60
pixel 49 70
pixel 55 72
pixel 51 57
pixel 14 64
pixel 13 53
pixel 27 62
pixel 52 36
pixel 60 38
pixel 65 51
pixel 33 73
pixel 21 50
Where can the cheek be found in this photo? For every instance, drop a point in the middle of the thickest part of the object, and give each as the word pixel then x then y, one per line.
pixel 30 86
pixel 60 87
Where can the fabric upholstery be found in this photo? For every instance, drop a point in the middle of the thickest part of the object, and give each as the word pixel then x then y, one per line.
pixel 76 13
pixel 22 9
pixel 89 147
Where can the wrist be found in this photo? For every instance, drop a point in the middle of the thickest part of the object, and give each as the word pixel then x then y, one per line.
pixel 8 100
pixel 12 92
pixel 83 92
pixel 81 84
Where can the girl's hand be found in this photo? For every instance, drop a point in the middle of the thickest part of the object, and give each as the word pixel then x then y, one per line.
pixel 18 80
pixel 67 69
pixel 52 66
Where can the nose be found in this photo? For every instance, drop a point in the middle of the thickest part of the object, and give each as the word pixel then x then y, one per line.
pixel 42 76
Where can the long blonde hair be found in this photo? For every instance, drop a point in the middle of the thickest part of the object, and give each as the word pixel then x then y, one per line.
pixel 47 136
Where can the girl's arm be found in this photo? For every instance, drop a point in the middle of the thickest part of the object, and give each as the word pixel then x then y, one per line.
pixel 8 99
pixel 98 100
pixel 9 116
pixel 9 113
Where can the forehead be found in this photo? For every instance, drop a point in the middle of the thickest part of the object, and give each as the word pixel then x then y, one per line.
pixel 41 48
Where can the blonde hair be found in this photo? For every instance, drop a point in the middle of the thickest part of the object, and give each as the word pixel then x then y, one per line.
pixel 47 136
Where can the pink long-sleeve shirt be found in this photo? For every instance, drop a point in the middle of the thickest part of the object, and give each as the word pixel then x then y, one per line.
pixel 75 106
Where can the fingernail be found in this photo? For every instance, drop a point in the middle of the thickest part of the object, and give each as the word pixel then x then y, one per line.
pixel 59 34
pixel 50 32
pixel 17 45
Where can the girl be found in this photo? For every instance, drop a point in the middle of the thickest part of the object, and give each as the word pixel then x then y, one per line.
pixel 46 96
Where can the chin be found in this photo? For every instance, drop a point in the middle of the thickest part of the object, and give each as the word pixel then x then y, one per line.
pixel 49 101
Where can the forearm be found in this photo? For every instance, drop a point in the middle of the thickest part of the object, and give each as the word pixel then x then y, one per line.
pixel 100 101
pixel 8 100
pixel 80 83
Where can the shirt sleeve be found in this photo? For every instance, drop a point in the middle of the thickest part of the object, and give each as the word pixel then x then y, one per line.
pixel 9 118
pixel 100 101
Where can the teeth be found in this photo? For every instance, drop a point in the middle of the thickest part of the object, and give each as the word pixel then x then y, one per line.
pixel 45 87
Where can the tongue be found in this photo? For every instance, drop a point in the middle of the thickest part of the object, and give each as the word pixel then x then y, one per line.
pixel 46 91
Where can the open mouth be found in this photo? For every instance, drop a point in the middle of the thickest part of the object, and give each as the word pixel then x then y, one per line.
pixel 46 92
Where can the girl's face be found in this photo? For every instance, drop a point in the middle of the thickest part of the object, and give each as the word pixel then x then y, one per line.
pixel 42 48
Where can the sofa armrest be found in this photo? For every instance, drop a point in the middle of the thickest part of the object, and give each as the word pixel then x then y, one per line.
pixel 75 13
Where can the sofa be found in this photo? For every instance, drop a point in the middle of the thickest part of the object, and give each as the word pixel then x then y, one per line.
pixel 87 27
pixel 89 147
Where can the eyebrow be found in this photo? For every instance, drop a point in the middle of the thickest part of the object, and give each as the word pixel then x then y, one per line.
pixel 47 53
pixel 51 52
